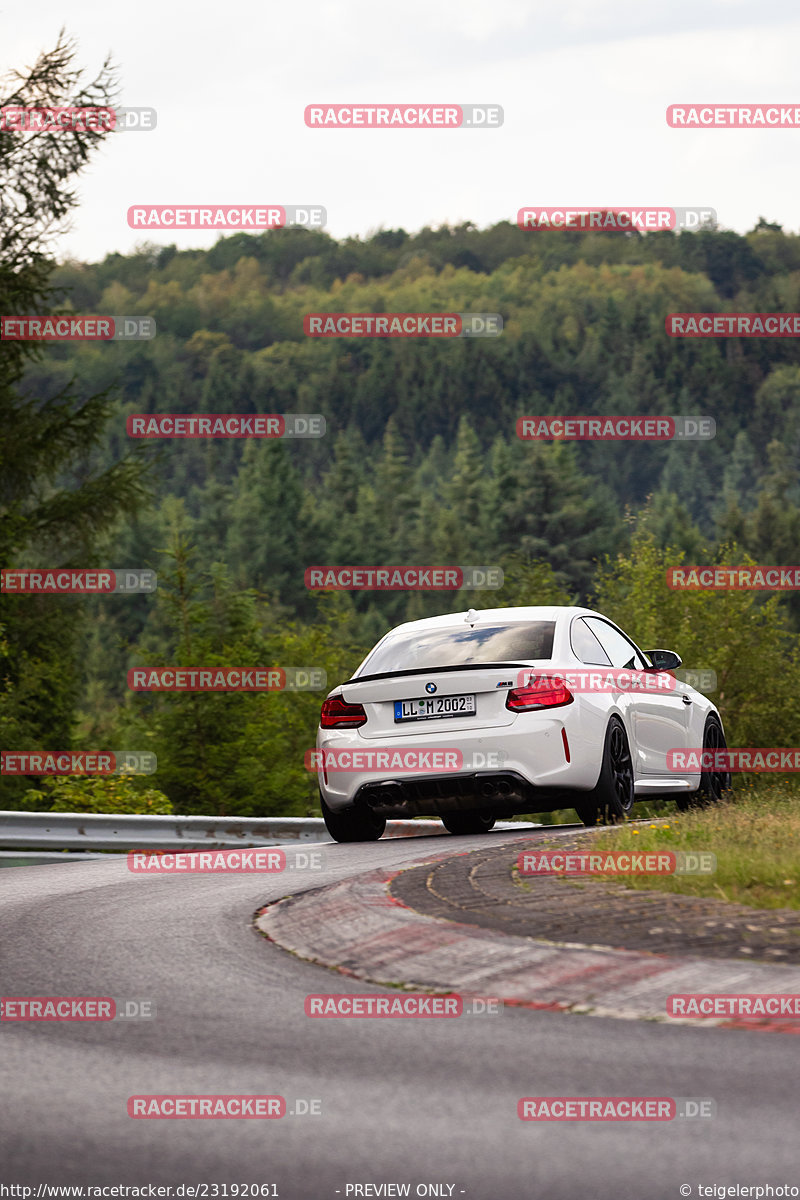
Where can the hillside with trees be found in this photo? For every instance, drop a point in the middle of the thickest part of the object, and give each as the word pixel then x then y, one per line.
pixel 420 464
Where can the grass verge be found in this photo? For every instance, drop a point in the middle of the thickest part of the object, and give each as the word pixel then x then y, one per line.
pixel 755 836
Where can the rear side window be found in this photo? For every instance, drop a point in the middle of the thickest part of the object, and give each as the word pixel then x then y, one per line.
pixel 433 648
pixel 586 646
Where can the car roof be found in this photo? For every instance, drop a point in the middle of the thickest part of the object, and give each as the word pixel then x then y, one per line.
pixel 486 616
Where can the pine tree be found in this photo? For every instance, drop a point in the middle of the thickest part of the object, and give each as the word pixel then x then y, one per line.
pixel 458 525
pixel 264 545
pixel 55 501
pixel 557 515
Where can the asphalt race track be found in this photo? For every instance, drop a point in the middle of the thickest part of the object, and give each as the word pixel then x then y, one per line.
pixel 427 1103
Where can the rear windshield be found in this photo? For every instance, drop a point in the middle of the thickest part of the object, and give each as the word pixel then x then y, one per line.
pixel 456 647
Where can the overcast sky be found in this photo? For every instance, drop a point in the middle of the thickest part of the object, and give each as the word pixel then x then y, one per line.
pixel 584 85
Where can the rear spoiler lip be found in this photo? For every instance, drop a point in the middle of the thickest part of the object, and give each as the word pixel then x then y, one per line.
pixel 503 666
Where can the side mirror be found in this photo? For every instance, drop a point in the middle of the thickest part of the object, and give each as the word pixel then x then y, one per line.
pixel 664 660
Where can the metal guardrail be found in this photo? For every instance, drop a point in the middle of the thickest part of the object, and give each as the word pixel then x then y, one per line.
pixel 101 831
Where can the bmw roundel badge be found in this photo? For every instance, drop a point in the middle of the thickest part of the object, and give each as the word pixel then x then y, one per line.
pixel 430 688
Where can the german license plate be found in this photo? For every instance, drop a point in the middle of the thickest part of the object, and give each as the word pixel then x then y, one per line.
pixel 432 707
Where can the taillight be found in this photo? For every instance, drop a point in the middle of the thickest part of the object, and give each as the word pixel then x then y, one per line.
pixel 542 692
pixel 337 714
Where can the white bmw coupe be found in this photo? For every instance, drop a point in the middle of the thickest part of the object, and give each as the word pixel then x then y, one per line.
pixel 480 715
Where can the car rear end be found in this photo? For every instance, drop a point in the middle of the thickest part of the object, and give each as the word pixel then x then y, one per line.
pixel 453 736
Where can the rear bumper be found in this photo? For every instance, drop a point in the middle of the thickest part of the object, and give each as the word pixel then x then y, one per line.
pixel 529 755
pixel 501 793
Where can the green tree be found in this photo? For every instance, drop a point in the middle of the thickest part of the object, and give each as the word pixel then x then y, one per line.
pixel 771 531
pixel 55 501
pixel 233 753
pixel 96 794
pixel 265 544
pixel 552 512
pixel 668 518
pixel 527 582
pixel 459 535
pixel 745 641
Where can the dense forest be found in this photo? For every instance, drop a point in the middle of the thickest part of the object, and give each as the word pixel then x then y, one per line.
pixel 420 464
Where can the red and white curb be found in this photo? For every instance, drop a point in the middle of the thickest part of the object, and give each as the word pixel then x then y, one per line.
pixel 356 927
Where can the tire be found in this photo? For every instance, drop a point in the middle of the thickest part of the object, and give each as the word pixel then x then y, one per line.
pixel 468 822
pixel 715 786
pixel 613 796
pixel 587 813
pixel 352 824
